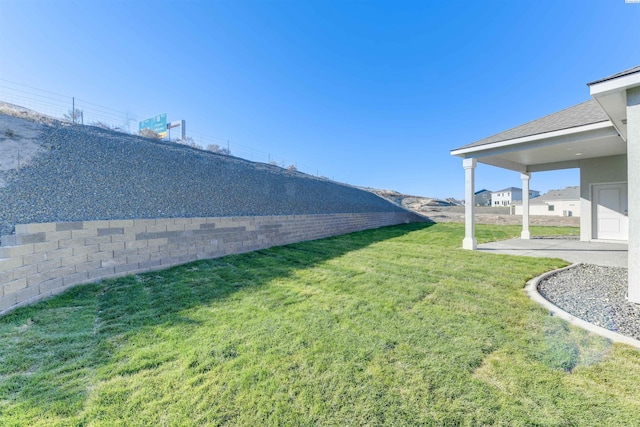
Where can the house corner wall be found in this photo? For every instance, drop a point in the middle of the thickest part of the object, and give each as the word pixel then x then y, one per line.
pixel 633 152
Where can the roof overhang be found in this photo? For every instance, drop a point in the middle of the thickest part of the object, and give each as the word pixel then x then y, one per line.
pixel 562 149
pixel 595 129
pixel 611 94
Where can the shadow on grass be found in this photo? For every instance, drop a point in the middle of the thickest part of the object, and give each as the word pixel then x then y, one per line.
pixel 152 298
pixel 51 351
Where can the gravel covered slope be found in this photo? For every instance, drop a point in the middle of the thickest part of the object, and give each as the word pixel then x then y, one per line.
pixel 87 173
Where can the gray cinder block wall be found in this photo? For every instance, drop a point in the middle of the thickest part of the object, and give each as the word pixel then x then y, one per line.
pixel 44 259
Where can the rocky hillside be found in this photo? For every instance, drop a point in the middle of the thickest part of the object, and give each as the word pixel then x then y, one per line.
pixel 414 203
pixel 53 171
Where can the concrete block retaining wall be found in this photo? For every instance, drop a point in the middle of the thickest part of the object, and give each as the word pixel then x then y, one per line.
pixel 44 259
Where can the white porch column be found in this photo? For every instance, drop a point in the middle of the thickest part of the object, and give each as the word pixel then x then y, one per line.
pixel 469 241
pixel 633 178
pixel 525 206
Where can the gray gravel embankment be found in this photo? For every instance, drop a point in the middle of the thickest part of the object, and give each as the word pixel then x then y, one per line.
pixel 596 294
pixel 87 173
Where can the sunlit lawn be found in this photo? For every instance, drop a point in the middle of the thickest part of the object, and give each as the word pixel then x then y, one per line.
pixel 396 326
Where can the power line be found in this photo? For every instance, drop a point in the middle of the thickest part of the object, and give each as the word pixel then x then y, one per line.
pixel 94 113
pixel 35 88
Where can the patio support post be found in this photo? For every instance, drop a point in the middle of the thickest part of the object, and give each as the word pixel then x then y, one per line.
pixel 633 184
pixel 469 241
pixel 525 205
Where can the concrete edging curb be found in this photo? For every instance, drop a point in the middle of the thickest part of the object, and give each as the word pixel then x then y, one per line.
pixel 532 291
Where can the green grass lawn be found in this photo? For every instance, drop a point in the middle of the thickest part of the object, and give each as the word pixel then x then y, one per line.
pixel 396 326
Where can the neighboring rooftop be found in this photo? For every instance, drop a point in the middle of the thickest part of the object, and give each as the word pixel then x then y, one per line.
pixel 586 113
pixel 512 189
pixel 567 193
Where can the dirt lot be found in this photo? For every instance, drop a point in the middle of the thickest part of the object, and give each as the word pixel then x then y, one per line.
pixel 456 214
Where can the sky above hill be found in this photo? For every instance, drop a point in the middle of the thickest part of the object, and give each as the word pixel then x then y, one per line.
pixel 371 93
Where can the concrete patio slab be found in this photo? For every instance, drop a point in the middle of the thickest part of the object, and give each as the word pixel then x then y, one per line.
pixel 609 254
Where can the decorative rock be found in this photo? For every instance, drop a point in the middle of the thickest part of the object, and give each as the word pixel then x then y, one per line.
pixel 96 174
pixel 596 294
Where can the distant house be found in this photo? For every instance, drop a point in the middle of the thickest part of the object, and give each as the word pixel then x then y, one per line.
pixel 482 198
pixel 509 195
pixel 564 202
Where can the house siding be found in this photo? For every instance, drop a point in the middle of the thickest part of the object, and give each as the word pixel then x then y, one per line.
pixel 482 198
pixel 597 171
pixel 509 195
pixel 560 208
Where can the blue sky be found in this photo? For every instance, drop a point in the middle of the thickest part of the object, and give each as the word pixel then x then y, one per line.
pixel 372 93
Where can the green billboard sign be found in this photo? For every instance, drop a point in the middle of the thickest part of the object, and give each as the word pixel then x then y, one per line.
pixel 158 124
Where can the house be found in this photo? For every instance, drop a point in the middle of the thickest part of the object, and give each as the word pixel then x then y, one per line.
pixel 482 198
pixel 564 202
pixel 509 195
pixel 601 138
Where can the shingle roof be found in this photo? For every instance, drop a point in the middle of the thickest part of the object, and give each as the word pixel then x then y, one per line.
pixel 568 193
pixel 512 189
pixel 586 113
pixel 615 76
pixel 483 190
pixel 508 189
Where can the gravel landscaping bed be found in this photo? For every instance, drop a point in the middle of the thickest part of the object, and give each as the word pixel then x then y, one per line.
pixel 87 173
pixel 596 294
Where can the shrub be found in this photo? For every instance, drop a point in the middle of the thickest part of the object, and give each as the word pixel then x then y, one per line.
pixel 74 116
pixel 102 125
pixel 215 148
pixel 149 133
